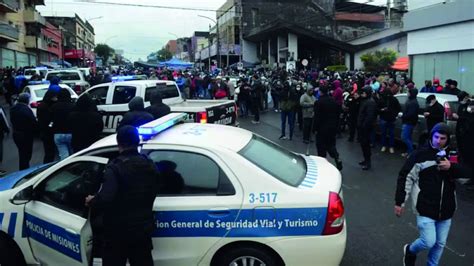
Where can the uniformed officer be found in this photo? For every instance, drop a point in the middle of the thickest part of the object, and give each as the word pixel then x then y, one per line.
pixel 127 194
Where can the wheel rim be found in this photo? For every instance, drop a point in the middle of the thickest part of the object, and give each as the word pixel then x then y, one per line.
pixel 247 261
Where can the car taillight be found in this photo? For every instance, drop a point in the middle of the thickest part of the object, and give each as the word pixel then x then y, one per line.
pixel 335 217
pixel 78 89
pixel 202 117
pixel 447 111
pixel 34 104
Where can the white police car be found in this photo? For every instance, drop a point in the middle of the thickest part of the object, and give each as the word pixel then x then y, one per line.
pixel 37 90
pixel 230 198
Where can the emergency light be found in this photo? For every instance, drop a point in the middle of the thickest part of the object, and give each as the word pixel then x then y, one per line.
pixel 159 125
pixel 38 82
pixel 128 78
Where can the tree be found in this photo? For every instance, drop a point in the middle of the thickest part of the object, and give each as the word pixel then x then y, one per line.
pixel 104 51
pixel 164 54
pixel 380 60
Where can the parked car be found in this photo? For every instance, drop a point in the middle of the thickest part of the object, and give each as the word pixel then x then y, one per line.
pixel 449 102
pixel 74 78
pixel 37 92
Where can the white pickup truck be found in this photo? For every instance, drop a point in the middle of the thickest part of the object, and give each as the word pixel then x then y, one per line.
pixel 112 100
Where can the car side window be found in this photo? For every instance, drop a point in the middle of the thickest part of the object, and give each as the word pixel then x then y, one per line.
pixel 422 104
pixel 67 188
pixel 123 94
pixel 149 92
pixel 99 95
pixel 190 174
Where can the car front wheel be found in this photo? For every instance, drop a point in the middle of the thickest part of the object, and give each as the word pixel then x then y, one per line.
pixel 246 256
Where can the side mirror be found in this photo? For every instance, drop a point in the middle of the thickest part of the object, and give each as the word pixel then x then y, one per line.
pixel 22 197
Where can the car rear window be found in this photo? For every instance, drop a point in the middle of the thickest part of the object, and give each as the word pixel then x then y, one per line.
pixel 40 93
pixel 64 76
pixel 30 72
pixel 166 91
pixel 284 165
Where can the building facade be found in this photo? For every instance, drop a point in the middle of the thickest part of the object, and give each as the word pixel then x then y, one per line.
pixel 78 38
pixel 441 46
pixel 17 46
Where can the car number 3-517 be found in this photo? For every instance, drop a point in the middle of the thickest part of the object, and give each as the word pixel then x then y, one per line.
pixel 263 197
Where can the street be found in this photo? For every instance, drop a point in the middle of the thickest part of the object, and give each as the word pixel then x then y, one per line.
pixel 375 235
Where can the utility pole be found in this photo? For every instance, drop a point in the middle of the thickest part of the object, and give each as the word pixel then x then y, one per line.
pixel 209 48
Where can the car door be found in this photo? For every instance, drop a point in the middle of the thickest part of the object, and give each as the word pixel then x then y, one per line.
pixel 199 193
pixel 117 104
pixel 56 221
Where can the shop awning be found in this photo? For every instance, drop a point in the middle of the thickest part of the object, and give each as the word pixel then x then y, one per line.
pixel 402 64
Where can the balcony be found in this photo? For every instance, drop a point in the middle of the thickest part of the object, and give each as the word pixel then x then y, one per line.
pixel 32 16
pixel 33 42
pixel 9 33
pixel 9 6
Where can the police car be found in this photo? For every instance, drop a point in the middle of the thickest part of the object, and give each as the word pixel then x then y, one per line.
pixel 74 78
pixel 246 201
pixel 37 90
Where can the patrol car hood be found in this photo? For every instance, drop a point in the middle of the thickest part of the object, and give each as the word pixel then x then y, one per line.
pixel 10 180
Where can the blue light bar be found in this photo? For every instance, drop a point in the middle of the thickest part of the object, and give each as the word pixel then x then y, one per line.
pixel 38 82
pixel 157 126
pixel 128 78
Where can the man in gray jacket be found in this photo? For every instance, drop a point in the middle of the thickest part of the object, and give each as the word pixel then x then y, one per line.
pixel 307 104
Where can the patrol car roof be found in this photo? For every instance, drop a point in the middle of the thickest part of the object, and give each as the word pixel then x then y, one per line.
pixel 194 134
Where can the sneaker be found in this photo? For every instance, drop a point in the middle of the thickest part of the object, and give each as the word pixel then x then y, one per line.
pixel 339 165
pixel 282 137
pixel 383 149
pixel 392 150
pixel 255 122
pixel 362 162
pixel 408 258
pixel 404 154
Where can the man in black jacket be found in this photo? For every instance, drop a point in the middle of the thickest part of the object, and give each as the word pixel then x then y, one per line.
pixel 137 115
pixel 428 177
pixel 157 108
pixel 409 120
pixel 326 124
pixel 131 183
pixel 24 127
pixel 86 123
pixel 434 112
pixel 389 107
pixel 353 104
pixel 44 115
pixel 365 125
pixel 61 124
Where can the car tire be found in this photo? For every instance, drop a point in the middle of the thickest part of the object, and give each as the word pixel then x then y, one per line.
pixel 237 256
pixel 9 255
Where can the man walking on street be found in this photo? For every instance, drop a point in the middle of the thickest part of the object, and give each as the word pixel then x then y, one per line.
pixel 131 183
pixel 389 107
pixel 307 104
pixel 326 124
pixel 365 125
pixel 24 127
pixel 409 120
pixel 428 175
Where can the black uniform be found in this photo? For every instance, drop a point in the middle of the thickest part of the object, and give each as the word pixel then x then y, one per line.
pixel 158 108
pixel 137 115
pixel 131 183
pixel 353 105
pixel 24 127
pixel 43 112
pixel 326 124
pixel 86 124
pixel 365 126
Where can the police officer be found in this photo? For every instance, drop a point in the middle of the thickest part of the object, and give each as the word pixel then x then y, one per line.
pixel 137 115
pixel 326 124
pixel 130 185
pixel 365 125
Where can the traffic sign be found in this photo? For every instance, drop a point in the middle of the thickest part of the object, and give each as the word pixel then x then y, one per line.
pixel 290 65
pixel 240 66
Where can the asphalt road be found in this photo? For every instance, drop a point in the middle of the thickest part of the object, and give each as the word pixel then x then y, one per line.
pixel 375 235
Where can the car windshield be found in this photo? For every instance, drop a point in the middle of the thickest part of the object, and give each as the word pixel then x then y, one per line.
pixel 64 76
pixel 284 165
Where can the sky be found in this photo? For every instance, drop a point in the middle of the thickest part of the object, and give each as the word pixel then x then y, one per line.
pixel 137 30
pixel 141 30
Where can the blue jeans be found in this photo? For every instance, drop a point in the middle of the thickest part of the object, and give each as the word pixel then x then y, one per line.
pixel 63 143
pixel 433 236
pixel 291 122
pixel 407 131
pixel 387 126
